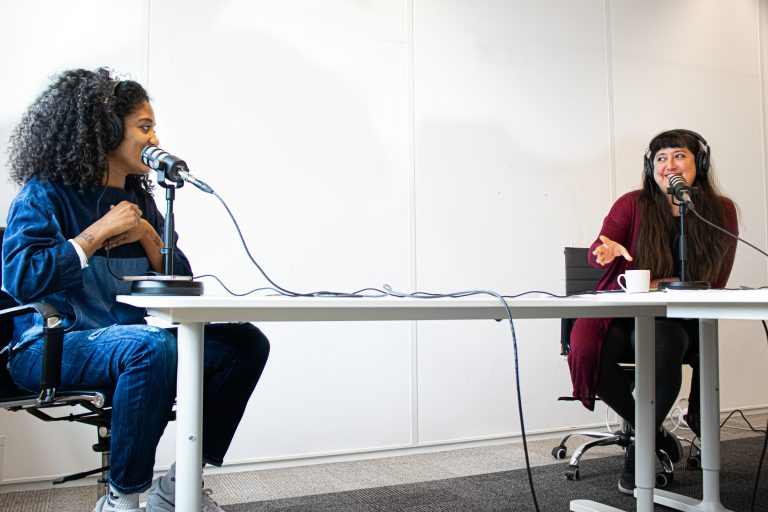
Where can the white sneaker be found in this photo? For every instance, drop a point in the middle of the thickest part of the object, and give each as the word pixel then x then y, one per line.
pixel 158 501
pixel 103 506
pixel 209 505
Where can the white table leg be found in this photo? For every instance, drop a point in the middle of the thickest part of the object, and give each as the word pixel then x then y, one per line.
pixel 709 367
pixel 645 437
pixel 645 412
pixel 189 417
pixel 710 414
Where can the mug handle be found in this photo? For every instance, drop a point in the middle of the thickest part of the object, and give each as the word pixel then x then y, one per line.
pixel 618 280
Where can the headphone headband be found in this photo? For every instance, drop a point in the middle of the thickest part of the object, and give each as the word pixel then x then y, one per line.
pixel 702 156
pixel 112 122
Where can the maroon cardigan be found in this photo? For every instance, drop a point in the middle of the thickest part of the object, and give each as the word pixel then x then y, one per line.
pixel 622 225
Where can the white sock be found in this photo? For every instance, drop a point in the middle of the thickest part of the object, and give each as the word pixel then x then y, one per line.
pixel 119 501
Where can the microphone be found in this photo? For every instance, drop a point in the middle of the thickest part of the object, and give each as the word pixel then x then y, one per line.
pixel 174 168
pixel 680 189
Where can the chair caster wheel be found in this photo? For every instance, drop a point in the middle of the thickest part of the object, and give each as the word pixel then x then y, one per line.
pixel 663 479
pixel 559 452
pixel 694 462
pixel 572 473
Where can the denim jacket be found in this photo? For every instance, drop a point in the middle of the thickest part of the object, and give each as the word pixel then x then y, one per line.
pixel 40 264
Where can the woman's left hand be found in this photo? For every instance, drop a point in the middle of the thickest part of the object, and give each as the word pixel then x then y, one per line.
pixel 135 234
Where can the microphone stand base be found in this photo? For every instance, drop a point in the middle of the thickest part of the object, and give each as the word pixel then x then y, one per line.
pixel 171 285
pixel 684 285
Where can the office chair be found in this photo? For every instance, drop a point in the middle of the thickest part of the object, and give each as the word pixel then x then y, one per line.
pixel 581 277
pixel 97 403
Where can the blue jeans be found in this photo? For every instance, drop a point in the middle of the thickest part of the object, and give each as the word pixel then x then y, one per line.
pixel 138 362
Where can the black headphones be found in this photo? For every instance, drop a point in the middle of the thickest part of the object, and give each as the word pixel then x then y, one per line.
pixel 112 122
pixel 702 157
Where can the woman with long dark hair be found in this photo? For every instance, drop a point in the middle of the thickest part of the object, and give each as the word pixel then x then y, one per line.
pixel 641 231
pixel 85 217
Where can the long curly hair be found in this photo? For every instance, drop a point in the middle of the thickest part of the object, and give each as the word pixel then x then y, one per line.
pixel 705 246
pixel 62 136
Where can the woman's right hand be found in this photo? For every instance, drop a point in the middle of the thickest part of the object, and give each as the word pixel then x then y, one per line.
pixel 609 251
pixel 117 220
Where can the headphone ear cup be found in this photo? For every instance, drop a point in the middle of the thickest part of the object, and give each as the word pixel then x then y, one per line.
pixel 702 157
pixel 648 165
pixel 702 161
pixel 114 128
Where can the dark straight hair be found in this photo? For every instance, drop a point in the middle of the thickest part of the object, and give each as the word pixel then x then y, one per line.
pixel 705 245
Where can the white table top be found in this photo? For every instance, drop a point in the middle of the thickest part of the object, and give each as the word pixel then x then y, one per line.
pixel 718 304
pixel 276 309
pixel 195 310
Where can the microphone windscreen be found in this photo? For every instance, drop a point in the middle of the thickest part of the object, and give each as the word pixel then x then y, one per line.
pixel 151 156
pixel 676 180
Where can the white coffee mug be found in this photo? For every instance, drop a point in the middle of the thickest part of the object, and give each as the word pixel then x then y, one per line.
pixel 635 281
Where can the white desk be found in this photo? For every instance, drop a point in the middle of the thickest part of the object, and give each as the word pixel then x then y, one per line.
pixel 709 306
pixel 191 313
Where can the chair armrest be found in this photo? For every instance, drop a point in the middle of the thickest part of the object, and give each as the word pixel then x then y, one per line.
pixel 53 335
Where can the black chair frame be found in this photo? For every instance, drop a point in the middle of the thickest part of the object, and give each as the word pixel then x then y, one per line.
pixel 580 278
pixel 96 403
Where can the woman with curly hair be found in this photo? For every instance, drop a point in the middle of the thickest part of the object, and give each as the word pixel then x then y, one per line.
pixel 84 217
pixel 642 231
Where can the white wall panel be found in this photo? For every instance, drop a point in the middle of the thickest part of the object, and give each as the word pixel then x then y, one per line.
pixel 512 164
pixel 298 121
pixel 445 145
pixel 39 39
pixel 695 64
pixel 296 113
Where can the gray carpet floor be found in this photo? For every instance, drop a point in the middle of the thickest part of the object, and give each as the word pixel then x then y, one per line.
pixel 388 482
pixel 509 490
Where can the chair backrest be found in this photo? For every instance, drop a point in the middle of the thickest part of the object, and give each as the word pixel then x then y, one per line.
pixel 7 387
pixel 580 277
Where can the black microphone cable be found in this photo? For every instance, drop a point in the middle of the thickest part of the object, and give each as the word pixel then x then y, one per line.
pixel 425 295
pixel 679 185
pixel 762 453
pixel 389 291
pixel 108 261
pixel 98 216
pixel 737 237
pixel 277 287
pixel 765 441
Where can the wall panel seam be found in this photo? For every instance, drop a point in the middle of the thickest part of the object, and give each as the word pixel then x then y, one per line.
pixel 413 331
pixel 609 91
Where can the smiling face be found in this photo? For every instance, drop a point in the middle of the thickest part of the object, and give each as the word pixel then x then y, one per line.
pixel 139 132
pixel 669 161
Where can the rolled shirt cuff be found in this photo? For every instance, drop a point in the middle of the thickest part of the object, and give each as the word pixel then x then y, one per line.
pixel 80 253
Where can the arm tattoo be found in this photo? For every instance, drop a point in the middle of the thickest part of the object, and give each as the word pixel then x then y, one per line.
pixel 87 237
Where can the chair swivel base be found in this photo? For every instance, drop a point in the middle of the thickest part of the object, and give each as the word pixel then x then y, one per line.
pixel 78 476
